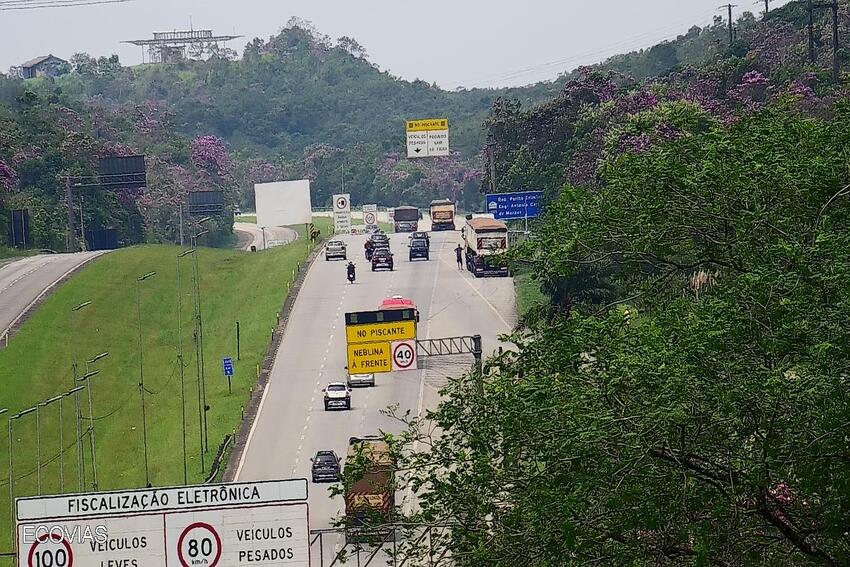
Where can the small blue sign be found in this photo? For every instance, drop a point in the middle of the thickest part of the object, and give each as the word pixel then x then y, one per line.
pixel 228 366
pixel 512 206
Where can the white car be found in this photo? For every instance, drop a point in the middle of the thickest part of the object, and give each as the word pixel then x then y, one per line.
pixel 337 396
pixel 361 380
pixel 336 249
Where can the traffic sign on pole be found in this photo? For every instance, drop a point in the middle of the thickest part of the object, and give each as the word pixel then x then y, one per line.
pixel 514 206
pixel 228 366
pixel 260 523
pixel 381 341
pixel 404 355
pixel 427 138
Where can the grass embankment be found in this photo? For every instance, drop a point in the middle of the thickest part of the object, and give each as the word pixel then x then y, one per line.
pixel 246 218
pixel 235 286
pixel 6 252
pixel 528 294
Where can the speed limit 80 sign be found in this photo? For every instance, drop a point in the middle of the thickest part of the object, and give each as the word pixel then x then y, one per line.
pixel 263 535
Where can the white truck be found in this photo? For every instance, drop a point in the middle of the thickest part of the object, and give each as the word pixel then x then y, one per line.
pixel 484 240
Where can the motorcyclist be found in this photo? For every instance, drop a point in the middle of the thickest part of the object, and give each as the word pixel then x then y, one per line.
pixel 370 247
pixel 350 270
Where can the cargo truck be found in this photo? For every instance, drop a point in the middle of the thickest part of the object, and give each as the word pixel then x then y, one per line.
pixel 485 240
pixel 406 219
pixel 442 215
pixel 369 489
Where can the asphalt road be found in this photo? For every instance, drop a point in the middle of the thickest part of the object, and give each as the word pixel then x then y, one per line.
pixel 248 234
pixel 292 423
pixel 24 280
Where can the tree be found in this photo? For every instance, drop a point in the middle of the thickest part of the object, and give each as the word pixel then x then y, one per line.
pixel 698 415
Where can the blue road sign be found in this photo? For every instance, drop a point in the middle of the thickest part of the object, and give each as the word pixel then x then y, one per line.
pixel 228 366
pixel 511 206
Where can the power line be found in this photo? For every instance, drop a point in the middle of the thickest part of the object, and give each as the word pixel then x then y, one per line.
pixel 40 4
pixel 633 42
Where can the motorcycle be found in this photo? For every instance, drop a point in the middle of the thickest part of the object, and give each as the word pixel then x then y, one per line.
pixel 351 274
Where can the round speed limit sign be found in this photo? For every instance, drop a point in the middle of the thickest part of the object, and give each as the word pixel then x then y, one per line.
pixel 341 203
pixel 404 355
pixel 369 218
pixel 199 544
pixel 50 550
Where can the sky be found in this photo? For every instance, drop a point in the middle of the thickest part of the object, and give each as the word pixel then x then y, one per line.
pixel 470 43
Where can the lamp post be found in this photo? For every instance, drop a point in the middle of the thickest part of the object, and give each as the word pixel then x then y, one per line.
pixel 18 415
pixel 139 281
pixel 62 440
pixel 81 471
pixel 38 439
pixel 199 331
pixel 86 378
pixel 182 374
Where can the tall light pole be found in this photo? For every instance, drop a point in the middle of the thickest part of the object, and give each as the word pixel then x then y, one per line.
pixel 38 407
pixel 139 281
pixel 86 378
pixel 182 374
pixel 79 417
pixel 62 440
pixel 18 415
pixel 199 331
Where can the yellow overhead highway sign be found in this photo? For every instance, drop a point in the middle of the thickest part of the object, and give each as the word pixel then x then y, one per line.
pixel 370 358
pixel 427 124
pixel 380 332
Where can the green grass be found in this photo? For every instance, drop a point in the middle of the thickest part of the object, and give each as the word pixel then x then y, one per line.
pixel 247 218
pixel 235 286
pixel 6 252
pixel 528 294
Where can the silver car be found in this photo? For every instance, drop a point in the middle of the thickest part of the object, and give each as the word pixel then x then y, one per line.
pixel 336 249
pixel 355 380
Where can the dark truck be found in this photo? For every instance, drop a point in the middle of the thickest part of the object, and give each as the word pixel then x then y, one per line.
pixel 406 219
pixel 369 489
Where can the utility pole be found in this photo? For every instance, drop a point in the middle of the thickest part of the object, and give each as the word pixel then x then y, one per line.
pixel 82 225
pixel 731 23
pixel 491 159
pixel 72 230
pixel 766 7
pixel 836 66
pixel 811 8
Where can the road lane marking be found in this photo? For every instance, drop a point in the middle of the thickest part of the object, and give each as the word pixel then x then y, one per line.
pixel 487 301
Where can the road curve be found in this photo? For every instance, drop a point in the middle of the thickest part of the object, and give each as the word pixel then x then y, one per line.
pixel 249 234
pixel 292 425
pixel 25 281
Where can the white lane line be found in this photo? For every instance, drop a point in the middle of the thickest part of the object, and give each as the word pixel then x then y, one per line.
pixel 487 301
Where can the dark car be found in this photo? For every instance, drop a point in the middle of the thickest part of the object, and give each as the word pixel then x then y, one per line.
pixel 325 467
pixel 419 249
pixel 420 235
pixel 382 258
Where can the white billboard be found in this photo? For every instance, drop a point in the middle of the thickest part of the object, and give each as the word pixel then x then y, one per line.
pixel 283 203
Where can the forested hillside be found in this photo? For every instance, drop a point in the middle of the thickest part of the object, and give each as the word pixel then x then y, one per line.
pixel 296 105
pixel 680 398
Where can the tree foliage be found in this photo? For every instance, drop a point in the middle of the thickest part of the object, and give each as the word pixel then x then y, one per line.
pixel 697 413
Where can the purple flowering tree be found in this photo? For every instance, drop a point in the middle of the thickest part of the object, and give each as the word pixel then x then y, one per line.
pixel 210 154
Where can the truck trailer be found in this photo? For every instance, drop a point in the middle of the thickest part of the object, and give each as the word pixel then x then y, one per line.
pixel 442 215
pixel 485 240
pixel 406 219
pixel 369 489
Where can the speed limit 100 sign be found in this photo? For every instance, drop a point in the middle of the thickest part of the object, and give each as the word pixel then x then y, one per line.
pixel 404 355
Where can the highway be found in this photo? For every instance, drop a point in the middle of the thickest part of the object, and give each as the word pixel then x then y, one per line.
pixel 292 423
pixel 249 234
pixel 23 281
